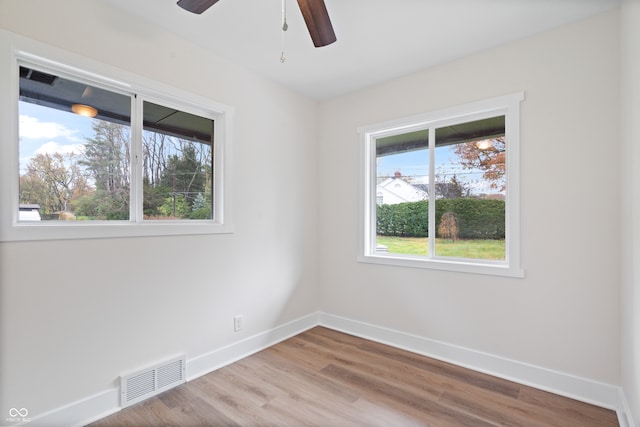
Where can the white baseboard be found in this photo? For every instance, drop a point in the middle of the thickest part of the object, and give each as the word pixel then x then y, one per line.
pixel 583 389
pixel 624 411
pixel 102 404
pixel 218 358
pixel 107 402
pixel 81 412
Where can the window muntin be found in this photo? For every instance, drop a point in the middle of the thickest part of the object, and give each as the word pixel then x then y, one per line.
pixel 77 159
pixel 449 189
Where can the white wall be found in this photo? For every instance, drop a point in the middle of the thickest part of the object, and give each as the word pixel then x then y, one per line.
pixel 630 185
pixel 77 314
pixel 564 314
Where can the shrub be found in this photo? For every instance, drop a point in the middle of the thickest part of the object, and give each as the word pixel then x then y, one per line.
pixel 405 219
pixel 448 226
pixel 476 218
pixel 201 213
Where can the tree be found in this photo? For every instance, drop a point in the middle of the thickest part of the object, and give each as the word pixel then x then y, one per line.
pixel 175 206
pixel 452 189
pixel 186 173
pixel 200 209
pixel 488 156
pixel 107 162
pixel 176 176
pixel 154 147
pixel 53 181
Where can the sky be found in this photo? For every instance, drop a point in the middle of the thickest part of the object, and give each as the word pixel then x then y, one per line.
pixel 47 130
pixel 414 164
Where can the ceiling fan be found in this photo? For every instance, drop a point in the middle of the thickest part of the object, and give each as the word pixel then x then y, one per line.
pixel 314 12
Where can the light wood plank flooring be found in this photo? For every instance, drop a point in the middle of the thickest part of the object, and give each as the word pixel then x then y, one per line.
pixel 326 378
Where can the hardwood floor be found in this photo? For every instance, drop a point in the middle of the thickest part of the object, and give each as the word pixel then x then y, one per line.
pixel 326 378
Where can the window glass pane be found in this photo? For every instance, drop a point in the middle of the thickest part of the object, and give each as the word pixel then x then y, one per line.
pixel 177 164
pixel 471 190
pixel 402 183
pixel 74 150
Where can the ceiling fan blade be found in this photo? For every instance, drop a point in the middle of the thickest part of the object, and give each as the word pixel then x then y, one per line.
pixel 318 22
pixel 196 6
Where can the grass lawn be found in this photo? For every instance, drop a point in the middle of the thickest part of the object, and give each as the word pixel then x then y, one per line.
pixel 478 249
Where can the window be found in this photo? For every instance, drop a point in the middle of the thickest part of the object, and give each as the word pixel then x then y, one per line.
pixel 440 190
pixel 101 158
pixel 74 148
pixel 177 164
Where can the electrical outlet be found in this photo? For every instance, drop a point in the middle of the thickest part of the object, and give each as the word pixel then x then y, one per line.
pixel 237 323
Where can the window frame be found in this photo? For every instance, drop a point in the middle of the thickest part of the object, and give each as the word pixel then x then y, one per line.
pixel 141 89
pixel 507 105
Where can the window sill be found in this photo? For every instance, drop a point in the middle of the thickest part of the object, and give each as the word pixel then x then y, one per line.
pixel 453 265
pixel 109 229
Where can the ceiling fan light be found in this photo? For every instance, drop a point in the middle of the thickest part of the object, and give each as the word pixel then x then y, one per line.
pixel 84 110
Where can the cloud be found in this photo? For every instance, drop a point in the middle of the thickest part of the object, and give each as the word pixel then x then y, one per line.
pixel 32 128
pixel 52 147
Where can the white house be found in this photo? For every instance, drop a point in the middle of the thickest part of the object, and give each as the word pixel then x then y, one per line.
pixel 396 190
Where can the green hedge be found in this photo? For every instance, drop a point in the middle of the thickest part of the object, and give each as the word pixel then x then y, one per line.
pixel 477 218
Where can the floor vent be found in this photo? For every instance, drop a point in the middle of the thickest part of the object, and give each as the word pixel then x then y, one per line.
pixel 148 382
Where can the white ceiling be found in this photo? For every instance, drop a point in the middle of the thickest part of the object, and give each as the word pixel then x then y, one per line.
pixel 377 39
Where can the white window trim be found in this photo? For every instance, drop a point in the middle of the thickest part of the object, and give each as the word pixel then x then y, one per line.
pixel 509 105
pixel 24 51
